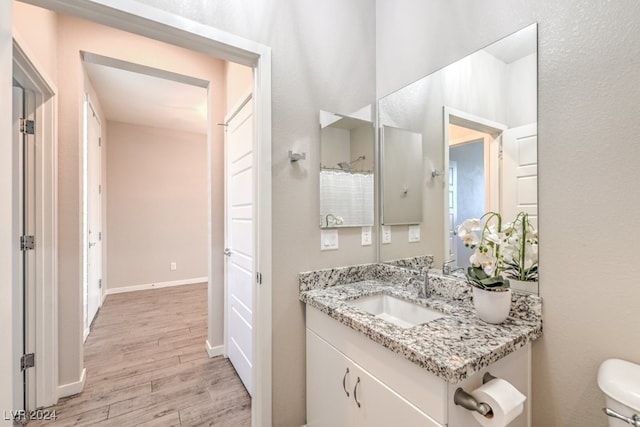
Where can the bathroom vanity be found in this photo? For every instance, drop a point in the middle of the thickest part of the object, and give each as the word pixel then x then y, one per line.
pixel 373 360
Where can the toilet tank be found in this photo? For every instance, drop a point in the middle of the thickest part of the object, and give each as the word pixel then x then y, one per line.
pixel 619 380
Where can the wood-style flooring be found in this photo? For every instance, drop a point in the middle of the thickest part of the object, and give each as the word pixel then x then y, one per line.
pixel 147 366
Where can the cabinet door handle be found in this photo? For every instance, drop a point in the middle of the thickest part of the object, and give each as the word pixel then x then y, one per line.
pixel 355 392
pixel 344 381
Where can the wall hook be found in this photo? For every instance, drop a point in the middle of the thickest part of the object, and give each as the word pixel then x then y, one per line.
pixel 294 157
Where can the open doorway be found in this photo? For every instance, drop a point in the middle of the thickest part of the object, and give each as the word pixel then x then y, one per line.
pixel 469 181
pixel 160 25
pixel 492 168
pixel 153 192
pixel 472 158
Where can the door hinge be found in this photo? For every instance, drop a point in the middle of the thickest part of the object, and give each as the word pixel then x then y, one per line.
pixel 27 243
pixel 99 283
pixel 100 142
pixel 27 361
pixel 100 236
pixel 27 126
pixel 259 278
pixel 100 189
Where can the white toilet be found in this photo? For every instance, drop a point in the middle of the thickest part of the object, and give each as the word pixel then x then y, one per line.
pixel 620 382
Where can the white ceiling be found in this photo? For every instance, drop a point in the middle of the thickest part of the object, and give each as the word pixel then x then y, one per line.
pixel 515 46
pixel 139 95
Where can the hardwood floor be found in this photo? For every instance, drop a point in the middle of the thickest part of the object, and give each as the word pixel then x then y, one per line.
pixel 147 366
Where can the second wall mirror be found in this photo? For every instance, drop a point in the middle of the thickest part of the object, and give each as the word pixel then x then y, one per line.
pixel 346 171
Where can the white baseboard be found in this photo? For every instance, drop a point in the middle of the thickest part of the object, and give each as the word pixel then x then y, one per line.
pixel 214 351
pixel 73 388
pixel 120 290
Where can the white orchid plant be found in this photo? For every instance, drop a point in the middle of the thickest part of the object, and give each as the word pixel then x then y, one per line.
pixel 499 248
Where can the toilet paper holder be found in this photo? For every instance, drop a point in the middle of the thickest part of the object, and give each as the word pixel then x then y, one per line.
pixel 464 399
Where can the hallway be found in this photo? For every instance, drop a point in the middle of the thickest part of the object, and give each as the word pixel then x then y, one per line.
pixel 147 365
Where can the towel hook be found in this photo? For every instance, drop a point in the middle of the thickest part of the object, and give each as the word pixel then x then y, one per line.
pixel 294 157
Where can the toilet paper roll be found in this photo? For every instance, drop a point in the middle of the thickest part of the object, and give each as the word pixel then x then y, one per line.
pixel 505 400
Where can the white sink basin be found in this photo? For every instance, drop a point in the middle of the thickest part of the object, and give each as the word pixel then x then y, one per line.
pixel 402 313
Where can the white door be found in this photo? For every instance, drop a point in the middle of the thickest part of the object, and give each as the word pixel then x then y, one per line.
pixel 520 172
pixel 24 141
pixel 94 218
pixel 239 259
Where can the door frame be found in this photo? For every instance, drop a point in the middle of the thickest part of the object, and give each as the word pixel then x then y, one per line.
pixel 177 30
pixel 27 72
pixel 461 118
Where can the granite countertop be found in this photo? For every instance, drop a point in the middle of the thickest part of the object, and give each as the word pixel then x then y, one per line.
pixel 453 347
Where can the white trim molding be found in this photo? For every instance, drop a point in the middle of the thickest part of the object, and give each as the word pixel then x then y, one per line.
pixel 214 351
pixel 157 285
pixel 73 388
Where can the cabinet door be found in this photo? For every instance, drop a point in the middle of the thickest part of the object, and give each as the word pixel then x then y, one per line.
pixel 327 402
pixel 382 407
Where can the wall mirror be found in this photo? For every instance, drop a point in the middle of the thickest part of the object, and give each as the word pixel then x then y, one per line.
pixel 402 176
pixel 477 119
pixel 346 171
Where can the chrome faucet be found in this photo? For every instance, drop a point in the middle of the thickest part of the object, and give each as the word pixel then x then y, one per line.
pixel 424 291
pixel 446 266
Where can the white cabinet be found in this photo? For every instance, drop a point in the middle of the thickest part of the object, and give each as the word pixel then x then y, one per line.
pixel 328 402
pixel 342 393
pixel 345 368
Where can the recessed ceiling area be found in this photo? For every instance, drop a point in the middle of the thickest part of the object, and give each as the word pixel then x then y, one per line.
pixel 136 94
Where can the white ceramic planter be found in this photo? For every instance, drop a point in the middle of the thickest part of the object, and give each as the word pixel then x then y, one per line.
pixel 492 306
pixel 522 286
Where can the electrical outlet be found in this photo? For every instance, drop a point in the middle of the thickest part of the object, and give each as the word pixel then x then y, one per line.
pixel 386 234
pixel 366 236
pixel 414 233
pixel 174 266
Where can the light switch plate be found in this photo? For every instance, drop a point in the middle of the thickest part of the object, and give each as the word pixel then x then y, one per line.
pixel 386 234
pixel 414 233
pixel 328 240
pixel 366 236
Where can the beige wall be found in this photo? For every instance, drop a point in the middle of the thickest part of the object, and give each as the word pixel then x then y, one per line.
pixel 239 79
pixel 588 87
pixel 156 205
pixel 37 28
